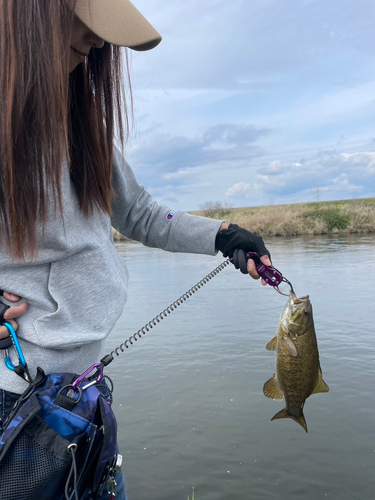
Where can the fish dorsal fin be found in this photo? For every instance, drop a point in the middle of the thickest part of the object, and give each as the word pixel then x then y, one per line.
pixel 321 386
pixel 290 346
pixel 271 346
pixel 271 389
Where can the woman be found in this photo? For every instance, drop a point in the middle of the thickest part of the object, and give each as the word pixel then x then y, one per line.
pixel 63 184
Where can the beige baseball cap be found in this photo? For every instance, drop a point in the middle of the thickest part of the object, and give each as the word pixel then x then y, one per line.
pixel 118 22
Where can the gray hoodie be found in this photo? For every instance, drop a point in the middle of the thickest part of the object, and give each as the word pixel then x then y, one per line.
pixel 77 286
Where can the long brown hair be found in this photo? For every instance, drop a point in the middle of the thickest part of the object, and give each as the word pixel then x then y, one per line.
pixel 46 115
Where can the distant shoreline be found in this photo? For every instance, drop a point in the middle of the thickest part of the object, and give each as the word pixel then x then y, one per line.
pixel 329 217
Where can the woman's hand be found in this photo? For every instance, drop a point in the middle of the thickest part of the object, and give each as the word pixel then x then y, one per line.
pixel 252 270
pixel 232 237
pixel 12 313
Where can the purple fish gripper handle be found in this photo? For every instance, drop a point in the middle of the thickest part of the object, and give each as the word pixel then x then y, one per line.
pixel 97 366
pixel 271 276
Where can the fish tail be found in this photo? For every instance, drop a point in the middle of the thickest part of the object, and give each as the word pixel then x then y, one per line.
pixel 285 414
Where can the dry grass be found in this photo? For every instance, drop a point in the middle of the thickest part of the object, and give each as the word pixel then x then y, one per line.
pixel 349 216
pixel 117 236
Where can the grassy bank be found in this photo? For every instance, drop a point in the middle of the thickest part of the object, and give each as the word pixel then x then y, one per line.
pixel 347 216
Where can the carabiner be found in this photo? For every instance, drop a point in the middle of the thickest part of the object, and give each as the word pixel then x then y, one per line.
pixel 21 369
pixel 99 370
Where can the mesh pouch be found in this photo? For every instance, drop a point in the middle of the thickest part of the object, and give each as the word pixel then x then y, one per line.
pixel 55 446
pixel 31 470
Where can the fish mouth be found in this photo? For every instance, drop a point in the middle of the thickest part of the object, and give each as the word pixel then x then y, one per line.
pixel 298 300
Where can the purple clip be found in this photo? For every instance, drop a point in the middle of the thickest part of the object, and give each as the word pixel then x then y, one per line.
pixel 98 367
pixel 271 276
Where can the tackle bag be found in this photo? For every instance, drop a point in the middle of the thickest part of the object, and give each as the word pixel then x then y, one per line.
pixel 58 443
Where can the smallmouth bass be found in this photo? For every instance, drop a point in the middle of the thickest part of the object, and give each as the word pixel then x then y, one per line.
pixel 298 373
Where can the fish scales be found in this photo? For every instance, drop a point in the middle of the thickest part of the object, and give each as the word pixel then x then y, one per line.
pixel 298 373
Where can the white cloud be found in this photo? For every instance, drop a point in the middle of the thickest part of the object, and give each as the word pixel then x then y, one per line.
pixel 273 168
pixel 177 175
pixel 174 157
pixel 343 175
pixel 237 190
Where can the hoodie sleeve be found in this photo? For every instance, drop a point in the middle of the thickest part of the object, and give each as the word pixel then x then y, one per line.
pixel 138 217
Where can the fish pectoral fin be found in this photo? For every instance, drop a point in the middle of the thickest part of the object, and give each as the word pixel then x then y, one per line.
pixel 285 414
pixel 290 346
pixel 271 346
pixel 272 390
pixel 321 386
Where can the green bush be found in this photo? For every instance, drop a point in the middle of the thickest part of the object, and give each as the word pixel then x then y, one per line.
pixel 332 217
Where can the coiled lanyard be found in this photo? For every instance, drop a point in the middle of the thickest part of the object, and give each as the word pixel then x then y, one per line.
pixel 272 276
pixel 164 314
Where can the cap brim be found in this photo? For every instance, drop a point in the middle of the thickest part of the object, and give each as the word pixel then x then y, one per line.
pixel 118 22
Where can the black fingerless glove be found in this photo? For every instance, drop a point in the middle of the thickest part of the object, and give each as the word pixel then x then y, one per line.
pixel 235 237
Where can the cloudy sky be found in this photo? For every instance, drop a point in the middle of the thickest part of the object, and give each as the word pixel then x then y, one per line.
pixel 255 102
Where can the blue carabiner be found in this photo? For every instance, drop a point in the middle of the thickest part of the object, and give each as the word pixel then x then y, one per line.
pixel 17 347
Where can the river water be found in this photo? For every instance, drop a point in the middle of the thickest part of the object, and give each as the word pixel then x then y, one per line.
pixel 188 396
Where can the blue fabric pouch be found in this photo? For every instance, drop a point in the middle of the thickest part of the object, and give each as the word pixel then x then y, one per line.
pixel 58 443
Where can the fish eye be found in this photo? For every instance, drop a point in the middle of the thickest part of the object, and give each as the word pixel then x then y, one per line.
pixel 306 313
